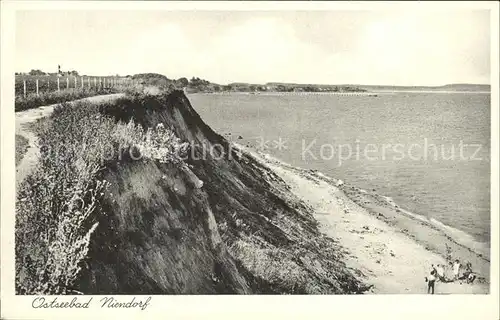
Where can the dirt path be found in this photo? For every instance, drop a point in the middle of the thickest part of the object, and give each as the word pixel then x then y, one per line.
pixel 24 118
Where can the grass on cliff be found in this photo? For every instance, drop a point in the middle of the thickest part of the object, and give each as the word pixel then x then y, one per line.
pixel 33 100
pixel 58 204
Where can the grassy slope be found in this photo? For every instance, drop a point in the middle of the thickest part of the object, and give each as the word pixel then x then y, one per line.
pixel 47 98
pixel 242 232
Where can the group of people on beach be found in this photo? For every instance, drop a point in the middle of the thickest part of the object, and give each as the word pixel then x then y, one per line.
pixel 460 272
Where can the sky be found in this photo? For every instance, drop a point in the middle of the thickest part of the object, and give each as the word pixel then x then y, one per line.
pixel 322 47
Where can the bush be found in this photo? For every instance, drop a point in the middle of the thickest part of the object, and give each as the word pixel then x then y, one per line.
pixel 56 203
pixel 33 100
pixel 155 143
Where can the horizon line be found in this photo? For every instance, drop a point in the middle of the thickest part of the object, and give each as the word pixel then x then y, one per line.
pixel 284 82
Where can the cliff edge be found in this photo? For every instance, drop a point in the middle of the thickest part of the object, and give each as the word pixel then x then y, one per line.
pixel 220 222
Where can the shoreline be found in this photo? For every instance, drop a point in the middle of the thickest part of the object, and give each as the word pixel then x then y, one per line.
pixel 393 250
pixel 460 237
pixel 421 229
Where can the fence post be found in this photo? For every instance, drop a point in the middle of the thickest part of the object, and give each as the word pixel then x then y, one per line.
pixel 24 86
pixel 58 87
pixel 67 82
pixel 48 85
pixel 88 80
pixel 37 87
pixel 95 82
pixel 104 83
pixel 76 82
pixel 82 81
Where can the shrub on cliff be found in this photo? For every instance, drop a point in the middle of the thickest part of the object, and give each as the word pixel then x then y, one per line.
pixel 33 100
pixel 56 203
pixel 158 143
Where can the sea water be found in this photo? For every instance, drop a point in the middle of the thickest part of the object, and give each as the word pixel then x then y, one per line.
pixel 427 151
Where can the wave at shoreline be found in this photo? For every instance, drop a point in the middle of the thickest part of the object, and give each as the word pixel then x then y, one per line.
pixel 392 249
pixel 460 237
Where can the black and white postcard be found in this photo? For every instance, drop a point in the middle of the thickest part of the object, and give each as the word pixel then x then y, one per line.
pixel 249 159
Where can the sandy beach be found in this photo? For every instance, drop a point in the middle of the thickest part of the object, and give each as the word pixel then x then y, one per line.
pixel 393 251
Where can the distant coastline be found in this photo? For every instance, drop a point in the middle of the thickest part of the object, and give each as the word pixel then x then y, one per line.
pixel 279 87
pixel 457 87
pixel 354 93
pixel 196 84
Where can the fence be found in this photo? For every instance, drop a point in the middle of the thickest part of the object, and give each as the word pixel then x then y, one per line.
pixel 39 84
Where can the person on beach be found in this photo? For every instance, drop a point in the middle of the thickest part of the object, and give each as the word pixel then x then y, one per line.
pixel 440 272
pixel 471 277
pixel 468 274
pixel 433 268
pixel 431 279
pixel 456 269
